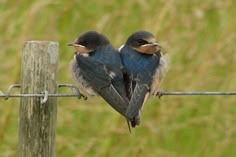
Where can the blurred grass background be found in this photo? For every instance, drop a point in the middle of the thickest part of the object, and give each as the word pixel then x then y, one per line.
pixel 200 37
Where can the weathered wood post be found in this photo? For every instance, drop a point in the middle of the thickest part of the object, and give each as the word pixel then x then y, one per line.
pixel 37 122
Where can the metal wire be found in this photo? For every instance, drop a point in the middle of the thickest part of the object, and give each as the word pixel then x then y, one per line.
pixel 76 93
pixel 43 95
pixel 39 95
pixel 196 93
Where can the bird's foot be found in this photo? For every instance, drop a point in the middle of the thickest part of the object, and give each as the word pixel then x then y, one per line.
pixel 74 90
pixel 159 94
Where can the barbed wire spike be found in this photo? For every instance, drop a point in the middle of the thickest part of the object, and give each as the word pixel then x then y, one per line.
pixel 10 88
pixel 44 99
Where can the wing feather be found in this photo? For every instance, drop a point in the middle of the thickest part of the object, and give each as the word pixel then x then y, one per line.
pixel 142 87
pixel 99 77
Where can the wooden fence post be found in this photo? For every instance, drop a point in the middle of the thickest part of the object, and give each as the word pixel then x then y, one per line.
pixel 37 121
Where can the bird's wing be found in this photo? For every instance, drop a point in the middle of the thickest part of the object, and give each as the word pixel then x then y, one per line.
pixel 138 97
pixel 134 63
pixel 104 79
pixel 142 88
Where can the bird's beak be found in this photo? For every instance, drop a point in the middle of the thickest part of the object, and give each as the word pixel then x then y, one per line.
pixel 157 45
pixel 76 45
pixel 149 48
pixel 80 48
pixel 151 44
pixel 71 44
pixel 154 44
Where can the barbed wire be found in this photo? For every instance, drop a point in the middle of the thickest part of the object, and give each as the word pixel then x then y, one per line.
pixel 38 95
pixel 197 93
pixel 44 94
pixel 76 93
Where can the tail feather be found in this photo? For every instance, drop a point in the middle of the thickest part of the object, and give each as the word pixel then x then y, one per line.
pixel 137 100
pixel 113 98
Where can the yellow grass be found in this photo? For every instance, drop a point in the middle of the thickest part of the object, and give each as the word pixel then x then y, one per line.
pixel 199 36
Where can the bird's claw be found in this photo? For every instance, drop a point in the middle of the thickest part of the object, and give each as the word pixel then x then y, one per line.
pixel 74 90
pixel 159 94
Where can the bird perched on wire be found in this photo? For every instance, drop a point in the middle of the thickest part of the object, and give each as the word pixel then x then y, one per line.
pixel 96 69
pixel 144 67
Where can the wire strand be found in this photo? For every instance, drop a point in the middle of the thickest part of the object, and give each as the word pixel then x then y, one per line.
pixel 76 93
pixel 159 94
pixel 197 93
pixel 39 95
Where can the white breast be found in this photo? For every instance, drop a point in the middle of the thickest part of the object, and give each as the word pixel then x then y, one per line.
pixel 119 49
pixel 80 83
pixel 159 75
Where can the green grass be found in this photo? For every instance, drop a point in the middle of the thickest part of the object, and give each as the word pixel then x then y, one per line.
pixel 200 38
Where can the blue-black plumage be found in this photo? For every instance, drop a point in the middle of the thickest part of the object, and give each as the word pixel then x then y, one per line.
pixel 97 70
pixel 143 62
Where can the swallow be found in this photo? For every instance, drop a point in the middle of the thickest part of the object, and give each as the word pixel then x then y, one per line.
pixel 144 68
pixel 97 70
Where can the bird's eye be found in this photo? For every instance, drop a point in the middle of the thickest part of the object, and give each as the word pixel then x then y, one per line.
pixel 142 42
pixel 84 43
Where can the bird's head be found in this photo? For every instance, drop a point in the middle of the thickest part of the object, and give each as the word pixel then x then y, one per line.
pixel 143 42
pixel 89 41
